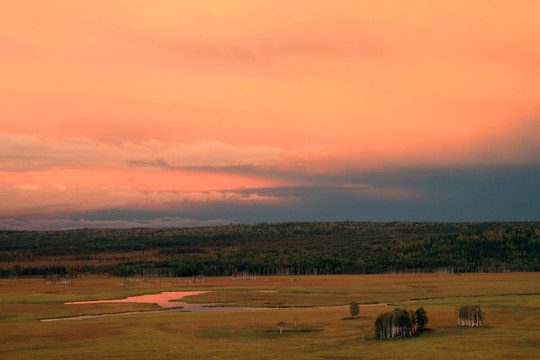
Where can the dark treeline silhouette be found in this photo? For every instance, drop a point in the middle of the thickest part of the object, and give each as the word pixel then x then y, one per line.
pixel 276 249
pixel 400 323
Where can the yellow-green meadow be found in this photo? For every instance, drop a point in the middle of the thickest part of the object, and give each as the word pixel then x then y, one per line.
pixel 314 310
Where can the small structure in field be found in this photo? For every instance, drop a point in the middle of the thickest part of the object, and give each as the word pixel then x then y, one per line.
pixel 281 325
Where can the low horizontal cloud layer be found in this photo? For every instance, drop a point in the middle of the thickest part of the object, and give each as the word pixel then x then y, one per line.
pixel 480 194
pixel 32 200
pixel 67 224
pixel 506 144
pixel 44 176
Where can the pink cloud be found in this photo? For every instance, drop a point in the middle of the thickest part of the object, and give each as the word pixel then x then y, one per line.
pixel 124 100
pixel 48 201
pixel 504 143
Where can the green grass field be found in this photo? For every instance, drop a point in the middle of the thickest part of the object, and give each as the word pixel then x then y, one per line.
pixel 511 302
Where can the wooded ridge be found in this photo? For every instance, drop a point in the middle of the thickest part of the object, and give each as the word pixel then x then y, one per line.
pixel 281 248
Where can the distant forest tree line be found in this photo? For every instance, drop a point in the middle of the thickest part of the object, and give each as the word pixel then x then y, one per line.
pixel 310 248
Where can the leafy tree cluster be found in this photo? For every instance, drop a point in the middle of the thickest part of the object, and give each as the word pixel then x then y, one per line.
pixel 400 323
pixel 470 315
pixel 276 249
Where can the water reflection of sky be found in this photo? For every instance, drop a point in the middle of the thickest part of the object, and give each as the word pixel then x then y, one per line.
pixel 163 299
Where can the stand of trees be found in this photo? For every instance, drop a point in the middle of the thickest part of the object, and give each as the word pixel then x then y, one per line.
pixel 313 248
pixel 400 323
pixel 470 315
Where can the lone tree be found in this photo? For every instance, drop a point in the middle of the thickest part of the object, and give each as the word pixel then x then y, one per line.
pixel 354 309
pixel 421 318
pixel 281 325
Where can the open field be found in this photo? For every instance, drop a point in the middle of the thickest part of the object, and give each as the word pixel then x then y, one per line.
pixel 511 302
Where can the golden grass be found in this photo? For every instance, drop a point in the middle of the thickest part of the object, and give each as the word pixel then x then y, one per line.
pixel 511 302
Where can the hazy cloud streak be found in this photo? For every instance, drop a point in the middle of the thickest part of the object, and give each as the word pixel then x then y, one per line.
pixel 67 224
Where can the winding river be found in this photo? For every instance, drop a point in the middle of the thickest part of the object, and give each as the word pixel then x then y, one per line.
pixel 164 300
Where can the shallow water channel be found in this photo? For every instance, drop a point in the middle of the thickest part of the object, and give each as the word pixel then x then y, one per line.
pixel 163 299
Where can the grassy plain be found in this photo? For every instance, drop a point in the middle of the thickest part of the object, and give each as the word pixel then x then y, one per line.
pixel 320 304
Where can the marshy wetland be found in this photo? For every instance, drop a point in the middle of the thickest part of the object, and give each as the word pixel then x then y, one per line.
pixel 313 309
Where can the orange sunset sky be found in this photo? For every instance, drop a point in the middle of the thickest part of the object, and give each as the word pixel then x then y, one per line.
pixel 172 113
